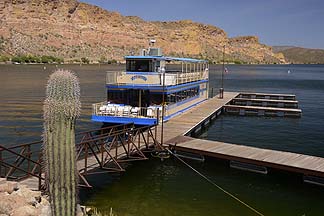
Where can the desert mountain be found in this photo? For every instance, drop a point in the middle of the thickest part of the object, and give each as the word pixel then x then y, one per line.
pixel 299 55
pixel 71 29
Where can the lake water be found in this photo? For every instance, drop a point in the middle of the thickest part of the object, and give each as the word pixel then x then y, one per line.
pixel 169 188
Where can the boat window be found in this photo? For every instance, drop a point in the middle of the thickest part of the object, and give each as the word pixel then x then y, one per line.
pixel 182 95
pixel 139 65
pixel 116 96
pixel 156 99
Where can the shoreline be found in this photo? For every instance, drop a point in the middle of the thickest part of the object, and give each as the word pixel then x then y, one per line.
pixel 250 64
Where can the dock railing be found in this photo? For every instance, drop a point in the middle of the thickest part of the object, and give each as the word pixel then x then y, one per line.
pixel 154 78
pixel 21 161
pixel 104 149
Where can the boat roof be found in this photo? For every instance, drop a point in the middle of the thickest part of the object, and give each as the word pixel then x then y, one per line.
pixel 167 58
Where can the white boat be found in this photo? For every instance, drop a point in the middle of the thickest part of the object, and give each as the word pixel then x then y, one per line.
pixel 138 94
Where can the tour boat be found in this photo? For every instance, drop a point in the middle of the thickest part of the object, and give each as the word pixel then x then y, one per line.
pixel 153 88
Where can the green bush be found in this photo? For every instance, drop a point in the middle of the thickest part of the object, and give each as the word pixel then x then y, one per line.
pixel 4 58
pixel 102 60
pixel 113 61
pixel 237 62
pixel 36 59
pixel 85 60
pixel 16 59
pixel 51 59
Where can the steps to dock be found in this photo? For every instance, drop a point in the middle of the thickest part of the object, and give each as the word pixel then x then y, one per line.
pixel 262 111
pixel 265 102
pixel 261 104
pixel 267 96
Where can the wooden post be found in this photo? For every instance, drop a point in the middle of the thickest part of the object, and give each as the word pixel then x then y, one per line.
pixel 157 123
pixel 163 108
pixel 85 159
pixel 102 153
pixel 39 176
pixel 1 161
pixel 140 100
pixel 28 157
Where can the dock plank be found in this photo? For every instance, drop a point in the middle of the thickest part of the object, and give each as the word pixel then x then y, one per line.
pixel 265 100
pixel 271 158
pixel 264 108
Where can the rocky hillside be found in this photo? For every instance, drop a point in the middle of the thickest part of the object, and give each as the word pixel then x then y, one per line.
pixel 299 55
pixel 71 30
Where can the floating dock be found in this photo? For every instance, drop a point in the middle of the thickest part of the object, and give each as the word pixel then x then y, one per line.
pixel 267 96
pixel 262 111
pixel 260 104
pixel 265 102
pixel 178 130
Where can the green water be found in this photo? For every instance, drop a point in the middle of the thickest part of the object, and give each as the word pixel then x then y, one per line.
pixel 170 188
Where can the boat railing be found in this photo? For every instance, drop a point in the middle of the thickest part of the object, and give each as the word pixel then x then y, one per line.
pixel 111 77
pixel 155 78
pixel 119 110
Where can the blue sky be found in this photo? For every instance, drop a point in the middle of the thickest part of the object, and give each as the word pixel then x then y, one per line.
pixel 276 22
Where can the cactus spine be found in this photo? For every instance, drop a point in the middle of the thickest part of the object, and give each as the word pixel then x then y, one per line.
pixel 61 108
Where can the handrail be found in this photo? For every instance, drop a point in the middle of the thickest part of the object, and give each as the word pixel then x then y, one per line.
pixel 155 78
pixel 24 144
pixel 104 128
pixel 20 155
pixel 105 109
pixel 105 147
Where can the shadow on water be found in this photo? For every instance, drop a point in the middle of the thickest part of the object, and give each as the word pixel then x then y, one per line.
pixel 170 188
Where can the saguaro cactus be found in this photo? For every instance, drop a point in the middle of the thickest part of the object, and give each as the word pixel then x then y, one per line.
pixel 61 108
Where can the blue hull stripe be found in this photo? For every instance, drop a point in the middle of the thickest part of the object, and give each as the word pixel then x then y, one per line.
pixel 155 87
pixel 124 120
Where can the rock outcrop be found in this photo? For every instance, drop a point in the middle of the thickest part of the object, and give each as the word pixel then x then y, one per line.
pixel 300 55
pixel 70 29
pixel 18 200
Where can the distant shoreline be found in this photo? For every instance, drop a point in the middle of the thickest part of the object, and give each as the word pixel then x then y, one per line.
pixel 227 64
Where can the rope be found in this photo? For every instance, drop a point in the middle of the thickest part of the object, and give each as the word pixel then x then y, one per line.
pixel 219 187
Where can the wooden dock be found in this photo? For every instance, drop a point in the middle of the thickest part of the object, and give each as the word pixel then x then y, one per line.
pixel 196 118
pixel 292 162
pixel 265 102
pixel 262 111
pixel 267 96
pixel 177 132
pixel 177 129
pixel 261 104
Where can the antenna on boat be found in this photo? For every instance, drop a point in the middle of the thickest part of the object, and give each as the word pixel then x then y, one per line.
pixel 163 105
pixel 221 90
pixel 152 42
